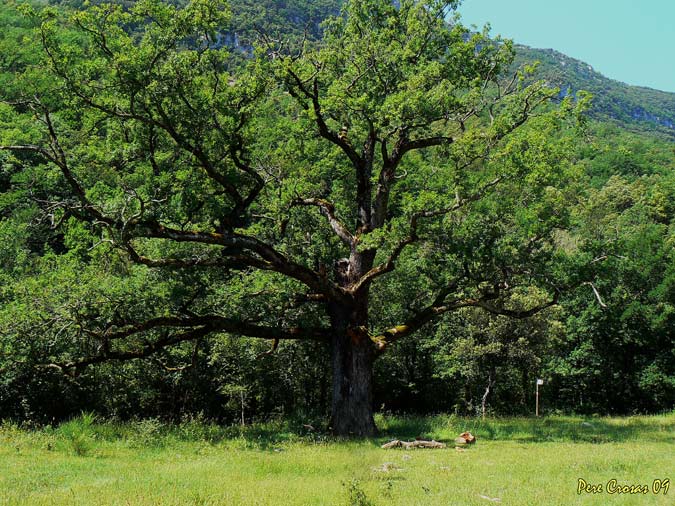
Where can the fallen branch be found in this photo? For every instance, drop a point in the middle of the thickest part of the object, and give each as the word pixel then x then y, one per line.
pixel 412 444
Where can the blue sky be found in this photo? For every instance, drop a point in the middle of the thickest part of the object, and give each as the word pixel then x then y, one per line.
pixel 629 40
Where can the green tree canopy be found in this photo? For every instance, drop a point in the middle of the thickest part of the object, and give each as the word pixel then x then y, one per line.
pixel 350 192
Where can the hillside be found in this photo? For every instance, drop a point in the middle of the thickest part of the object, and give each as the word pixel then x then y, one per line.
pixel 633 106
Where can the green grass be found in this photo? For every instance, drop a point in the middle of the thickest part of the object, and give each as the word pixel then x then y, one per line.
pixel 518 461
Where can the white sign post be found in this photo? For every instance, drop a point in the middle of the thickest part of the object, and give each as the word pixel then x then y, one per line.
pixel 539 382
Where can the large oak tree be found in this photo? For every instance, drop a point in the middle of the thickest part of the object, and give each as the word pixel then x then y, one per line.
pixel 350 190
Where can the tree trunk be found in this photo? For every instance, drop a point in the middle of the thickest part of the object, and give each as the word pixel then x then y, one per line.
pixel 352 403
pixel 352 354
pixel 241 398
pixel 490 384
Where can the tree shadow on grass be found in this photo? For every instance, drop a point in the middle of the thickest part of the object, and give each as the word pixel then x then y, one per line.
pixel 274 435
pixel 533 430
pixel 659 429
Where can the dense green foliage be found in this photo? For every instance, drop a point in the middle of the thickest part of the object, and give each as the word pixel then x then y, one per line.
pixel 291 20
pixel 633 107
pixel 568 213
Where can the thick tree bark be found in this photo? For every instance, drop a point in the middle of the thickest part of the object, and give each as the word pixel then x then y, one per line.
pixel 353 355
pixel 352 404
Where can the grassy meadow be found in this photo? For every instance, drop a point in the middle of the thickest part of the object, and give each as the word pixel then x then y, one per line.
pixel 515 462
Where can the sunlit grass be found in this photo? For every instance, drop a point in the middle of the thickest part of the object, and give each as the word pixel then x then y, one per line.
pixel 516 461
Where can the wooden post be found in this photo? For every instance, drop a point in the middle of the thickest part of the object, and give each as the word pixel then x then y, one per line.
pixel 539 382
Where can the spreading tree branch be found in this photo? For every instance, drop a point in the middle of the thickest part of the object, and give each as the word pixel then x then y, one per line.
pixel 190 328
pixel 440 306
pixel 328 210
pixel 412 236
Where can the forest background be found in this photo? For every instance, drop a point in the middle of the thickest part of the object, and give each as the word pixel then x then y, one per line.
pixel 606 348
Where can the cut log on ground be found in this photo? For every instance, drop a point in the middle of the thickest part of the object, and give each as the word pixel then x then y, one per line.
pixel 465 438
pixel 412 444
